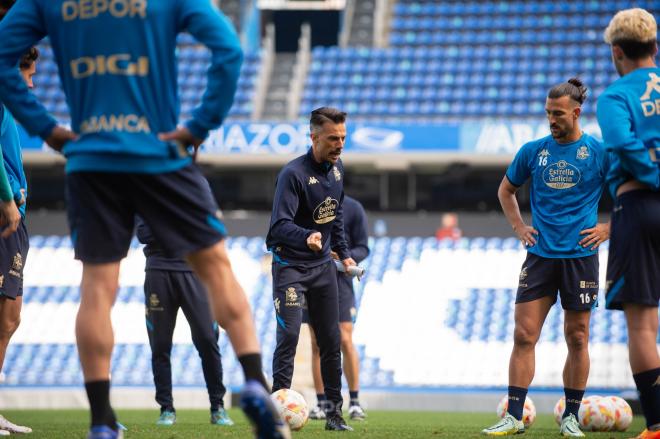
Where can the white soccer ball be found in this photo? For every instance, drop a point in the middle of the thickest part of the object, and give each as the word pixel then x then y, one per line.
pixel 529 410
pixel 596 414
pixel 292 408
pixel 623 415
pixel 559 409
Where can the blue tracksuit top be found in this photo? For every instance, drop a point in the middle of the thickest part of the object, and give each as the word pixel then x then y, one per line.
pixel 12 157
pixel 308 198
pixel 355 229
pixel 118 69
pixel 629 116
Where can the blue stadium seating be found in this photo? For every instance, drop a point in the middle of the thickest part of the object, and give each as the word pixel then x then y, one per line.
pixel 471 59
pixel 476 313
pixel 193 62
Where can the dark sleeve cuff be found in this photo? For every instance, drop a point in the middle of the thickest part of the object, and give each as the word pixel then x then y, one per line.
pixel 197 130
pixel 45 133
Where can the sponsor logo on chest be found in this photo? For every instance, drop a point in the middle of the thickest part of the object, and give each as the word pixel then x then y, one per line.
pixel 561 175
pixel 326 211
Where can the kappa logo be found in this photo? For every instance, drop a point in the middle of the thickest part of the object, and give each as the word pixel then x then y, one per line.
pixel 650 106
pixel 652 85
pixel 277 302
pixel 582 153
pixel 543 157
pixel 312 180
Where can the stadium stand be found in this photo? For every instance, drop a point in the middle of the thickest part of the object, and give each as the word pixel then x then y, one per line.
pixel 460 294
pixel 193 62
pixel 471 59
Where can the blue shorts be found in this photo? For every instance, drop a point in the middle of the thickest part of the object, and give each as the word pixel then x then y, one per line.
pixel 177 206
pixel 633 265
pixel 347 311
pixel 13 252
pixel 576 279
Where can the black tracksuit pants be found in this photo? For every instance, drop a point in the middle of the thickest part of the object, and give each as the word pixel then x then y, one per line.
pixel 293 286
pixel 166 291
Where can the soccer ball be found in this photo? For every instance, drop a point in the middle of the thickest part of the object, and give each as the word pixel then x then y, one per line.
pixel 559 409
pixel 292 408
pixel 623 415
pixel 596 414
pixel 529 410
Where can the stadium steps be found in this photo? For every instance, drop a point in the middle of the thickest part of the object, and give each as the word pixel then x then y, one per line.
pixel 276 105
pixel 362 24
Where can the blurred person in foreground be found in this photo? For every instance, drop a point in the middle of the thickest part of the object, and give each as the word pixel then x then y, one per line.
pixel 126 156
pixel 629 117
pixel 14 241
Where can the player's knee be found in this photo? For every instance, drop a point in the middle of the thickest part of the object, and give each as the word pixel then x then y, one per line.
pixel 329 344
pixel 524 338
pixel 204 343
pixel 161 349
pixel 315 348
pixel 577 338
pixel 8 326
pixel 346 341
pixel 289 336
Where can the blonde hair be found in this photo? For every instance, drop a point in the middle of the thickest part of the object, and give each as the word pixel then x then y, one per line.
pixel 631 25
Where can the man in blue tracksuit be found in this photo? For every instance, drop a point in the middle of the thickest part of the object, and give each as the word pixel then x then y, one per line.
pixel 126 156
pixel 357 239
pixel 629 116
pixel 305 225
pixel 170 284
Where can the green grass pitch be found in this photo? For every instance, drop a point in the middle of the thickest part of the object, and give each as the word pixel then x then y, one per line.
pixel 379 425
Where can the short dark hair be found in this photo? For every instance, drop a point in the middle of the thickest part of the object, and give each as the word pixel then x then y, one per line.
pixel 325 114
pixel 5 6
pixel 29 58
pixel 635 50
pixel 573 88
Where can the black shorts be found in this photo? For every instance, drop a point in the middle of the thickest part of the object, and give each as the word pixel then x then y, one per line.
pixel 633 265
pixel 13 252
pixel 177 206
pixel 347 310
pixel 576 279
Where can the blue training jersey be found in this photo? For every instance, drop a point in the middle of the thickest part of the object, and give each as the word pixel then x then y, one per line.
pixel 629 116
pixel 567 183
pixel 117 66
pixel 12 156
